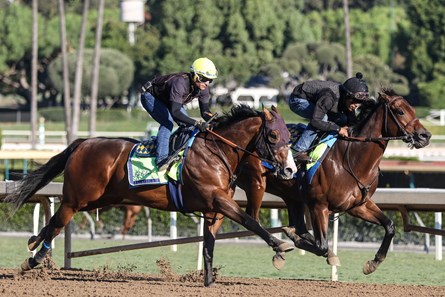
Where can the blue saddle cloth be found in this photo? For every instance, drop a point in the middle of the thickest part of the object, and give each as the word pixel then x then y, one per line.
pixel 318 154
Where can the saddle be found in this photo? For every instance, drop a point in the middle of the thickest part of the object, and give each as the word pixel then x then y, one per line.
pixel 141 162
pixel 318 149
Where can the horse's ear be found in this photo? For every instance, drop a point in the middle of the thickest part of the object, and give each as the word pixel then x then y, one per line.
pixel 275 108
pixel 383 96
pixel 267 114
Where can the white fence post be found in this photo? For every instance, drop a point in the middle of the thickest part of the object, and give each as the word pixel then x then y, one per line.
pixel 173 230
pixel 274 220
pixel 200 243
pixel 438 225
pixel 334 272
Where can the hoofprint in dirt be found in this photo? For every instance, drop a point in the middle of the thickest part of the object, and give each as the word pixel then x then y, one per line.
pixel 63 283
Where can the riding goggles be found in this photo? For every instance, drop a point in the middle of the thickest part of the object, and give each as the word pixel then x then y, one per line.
pixel 359 96
pixel 203 79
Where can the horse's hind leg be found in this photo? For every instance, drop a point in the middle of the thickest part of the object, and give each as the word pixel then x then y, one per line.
pixel 211 227
pixel 47 234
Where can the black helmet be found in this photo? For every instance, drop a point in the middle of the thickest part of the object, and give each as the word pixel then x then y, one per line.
pixel 356 88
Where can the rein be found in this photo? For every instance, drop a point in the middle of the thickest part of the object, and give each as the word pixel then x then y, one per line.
pixel 374 139
pixel 237 147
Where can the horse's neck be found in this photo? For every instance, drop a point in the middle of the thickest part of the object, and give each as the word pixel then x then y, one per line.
pixel 367 155
pixel 242 134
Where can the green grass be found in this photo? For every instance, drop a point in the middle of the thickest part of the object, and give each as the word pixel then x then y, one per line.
pixel 243 260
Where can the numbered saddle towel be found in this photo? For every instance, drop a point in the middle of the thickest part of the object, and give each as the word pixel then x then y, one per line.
pixel 142 169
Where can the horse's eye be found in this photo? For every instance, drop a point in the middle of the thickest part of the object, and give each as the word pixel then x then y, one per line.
pixel 274 136
pixel 399 112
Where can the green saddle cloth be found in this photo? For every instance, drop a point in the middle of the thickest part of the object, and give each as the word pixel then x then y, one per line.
pixel 142 169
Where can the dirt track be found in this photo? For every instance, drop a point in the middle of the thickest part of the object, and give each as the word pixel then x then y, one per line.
pixel 55 282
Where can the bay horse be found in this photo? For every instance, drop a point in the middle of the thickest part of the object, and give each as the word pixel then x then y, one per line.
pixel 345 180
pixel 95 176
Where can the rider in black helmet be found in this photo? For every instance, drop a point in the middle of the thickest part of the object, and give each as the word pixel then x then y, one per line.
pixel 325 104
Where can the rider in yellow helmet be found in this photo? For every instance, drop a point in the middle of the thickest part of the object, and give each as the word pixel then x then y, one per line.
pixel 164 98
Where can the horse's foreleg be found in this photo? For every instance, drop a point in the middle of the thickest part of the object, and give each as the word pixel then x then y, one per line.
pixel 230 209
pixel 254 193
pixel 211 227
pixel 371 212
pixel 47 234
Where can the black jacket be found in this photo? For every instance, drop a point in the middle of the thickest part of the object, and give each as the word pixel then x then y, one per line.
pixel 177 89
pixel 326 95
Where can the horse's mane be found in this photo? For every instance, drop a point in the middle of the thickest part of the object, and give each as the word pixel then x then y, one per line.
pixel 367 109
pixel 237 113
pixel 388 91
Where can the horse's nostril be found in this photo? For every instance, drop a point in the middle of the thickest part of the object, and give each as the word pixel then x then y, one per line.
pixel 288 171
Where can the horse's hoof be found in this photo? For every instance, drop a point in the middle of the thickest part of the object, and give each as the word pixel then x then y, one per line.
pixel 285 247
pixel 333 259
pixel 25 265
pixel 370 267
pixel 289 231
pixel 33 242
pixel 279 260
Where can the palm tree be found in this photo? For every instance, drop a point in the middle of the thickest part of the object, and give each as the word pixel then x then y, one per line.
pixel 34 74
pixel 96 60
pixel 79 72
pixel 66 82
pixel 347 38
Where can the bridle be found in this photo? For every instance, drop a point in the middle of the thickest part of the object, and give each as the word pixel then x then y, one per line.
pixel 262 145
pixel 406 137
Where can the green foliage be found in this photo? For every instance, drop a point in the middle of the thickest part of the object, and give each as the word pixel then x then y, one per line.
pixel 53 114
pixel 427 37
pixel 15 39
pixel 432 93
pixel 115 75
pixel 243 38
pixel 378 75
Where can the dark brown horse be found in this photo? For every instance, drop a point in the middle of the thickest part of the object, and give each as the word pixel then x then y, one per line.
pixel 346 179
pixel 95 176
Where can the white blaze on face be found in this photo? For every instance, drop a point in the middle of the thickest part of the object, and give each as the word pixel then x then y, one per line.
pixel 290 163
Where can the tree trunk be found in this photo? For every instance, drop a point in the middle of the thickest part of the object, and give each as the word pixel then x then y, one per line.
pixel 79 72
pixel 96 67
pixel 66 79
pixel 347 39
pixel 34 81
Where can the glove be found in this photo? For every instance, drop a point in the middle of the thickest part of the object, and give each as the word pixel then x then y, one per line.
pixel 202 126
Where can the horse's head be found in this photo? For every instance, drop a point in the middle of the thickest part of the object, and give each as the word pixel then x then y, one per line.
pixel 276 138
pixel 401 120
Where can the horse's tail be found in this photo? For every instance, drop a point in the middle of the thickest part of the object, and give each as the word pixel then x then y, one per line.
pixel 25 188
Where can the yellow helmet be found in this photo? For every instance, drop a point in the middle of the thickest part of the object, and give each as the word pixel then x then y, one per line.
pixel 204 67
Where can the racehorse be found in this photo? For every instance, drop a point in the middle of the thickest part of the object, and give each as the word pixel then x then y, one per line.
pixel 95 176
pixel 130 215
pixel 345 180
